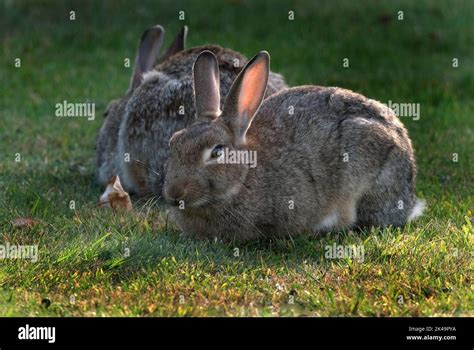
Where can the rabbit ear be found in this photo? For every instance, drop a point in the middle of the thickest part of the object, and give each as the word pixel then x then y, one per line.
pixel 206 85
pixel 246 96
pixel 148 51
pixel 178 44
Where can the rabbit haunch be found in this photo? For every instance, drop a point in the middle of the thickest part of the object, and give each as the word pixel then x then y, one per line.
pixel 338 161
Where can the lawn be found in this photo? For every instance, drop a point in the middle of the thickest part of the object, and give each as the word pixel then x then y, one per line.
pixel 93 262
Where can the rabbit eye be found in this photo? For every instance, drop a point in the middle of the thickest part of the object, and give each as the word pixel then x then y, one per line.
pixel 217 151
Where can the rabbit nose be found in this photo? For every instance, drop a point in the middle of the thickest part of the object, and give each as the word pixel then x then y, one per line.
pixel 176 192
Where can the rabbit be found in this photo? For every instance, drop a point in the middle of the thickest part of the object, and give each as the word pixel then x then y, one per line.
pixel 133 140
pixel 327 159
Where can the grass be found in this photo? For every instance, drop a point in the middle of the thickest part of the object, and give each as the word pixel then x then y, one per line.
pixel 424 268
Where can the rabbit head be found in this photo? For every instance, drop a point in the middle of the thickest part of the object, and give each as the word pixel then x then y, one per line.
pixel 147 55
pixel 200 171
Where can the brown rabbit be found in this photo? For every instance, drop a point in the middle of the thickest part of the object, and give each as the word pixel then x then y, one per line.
pixel 325 159
pixel 134 139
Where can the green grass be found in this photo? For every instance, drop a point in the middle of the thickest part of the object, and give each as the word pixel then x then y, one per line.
pixel 423 269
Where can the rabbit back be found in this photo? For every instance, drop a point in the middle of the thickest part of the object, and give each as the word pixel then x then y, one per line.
pixel 351 152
